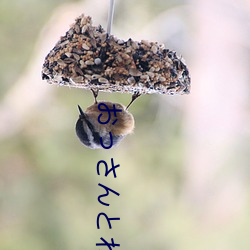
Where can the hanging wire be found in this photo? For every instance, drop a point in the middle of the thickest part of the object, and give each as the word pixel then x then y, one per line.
pixel 110 16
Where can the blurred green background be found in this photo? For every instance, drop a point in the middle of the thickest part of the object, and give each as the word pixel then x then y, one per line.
pixel 184 175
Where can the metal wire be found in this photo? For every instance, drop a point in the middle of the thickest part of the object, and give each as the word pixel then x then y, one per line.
pixel 110 15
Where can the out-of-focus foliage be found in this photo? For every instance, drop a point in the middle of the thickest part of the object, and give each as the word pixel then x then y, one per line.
pixel 48 180
pixel 20 24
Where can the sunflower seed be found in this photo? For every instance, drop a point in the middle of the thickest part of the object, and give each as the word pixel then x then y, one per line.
pixel 95 76
pixel 103 80
pixel 134 72
pixel 88 62
pixel 145 42
pixel 103 37
pixel 77 29
pixel 85 46
pixel 77 57
pixel 144 78
pixel 131 80
pixel 88 77
pixel 68 54
pixel 78 70
pixel 135 45
pixel 64 43
pixel 77 79
pixel 154 49
pixel 69 60
pixel 120 42
pixel 150 74
pixel 61 62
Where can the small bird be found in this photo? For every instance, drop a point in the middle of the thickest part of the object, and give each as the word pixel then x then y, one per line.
pixel 94 134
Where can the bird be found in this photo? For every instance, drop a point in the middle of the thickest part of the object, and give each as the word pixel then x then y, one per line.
pixel 92 130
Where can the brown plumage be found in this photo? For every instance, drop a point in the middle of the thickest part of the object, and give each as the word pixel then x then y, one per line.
pixel 123 126
pixel 94 134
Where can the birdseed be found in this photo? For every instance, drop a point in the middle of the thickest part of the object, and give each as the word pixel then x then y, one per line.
pixel 87 57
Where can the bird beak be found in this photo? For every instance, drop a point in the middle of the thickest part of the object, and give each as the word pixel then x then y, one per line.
pixel 82 115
